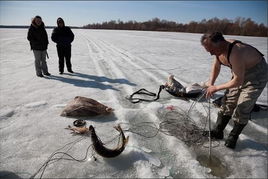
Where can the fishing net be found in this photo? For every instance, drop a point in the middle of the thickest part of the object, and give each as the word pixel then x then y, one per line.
pixel 144 129
pixel 178 123
pixel 186 125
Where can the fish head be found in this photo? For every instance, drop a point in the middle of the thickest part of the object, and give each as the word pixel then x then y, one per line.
pixel 91 128
pixel 109 110
pixel 64 113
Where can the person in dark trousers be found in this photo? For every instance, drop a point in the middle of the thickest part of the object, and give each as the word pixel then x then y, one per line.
pixel 38 38
pixel 249 78
pixel 63 36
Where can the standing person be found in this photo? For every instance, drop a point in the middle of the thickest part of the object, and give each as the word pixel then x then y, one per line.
pixel 249 78
pixel 37 36
pixel 63 36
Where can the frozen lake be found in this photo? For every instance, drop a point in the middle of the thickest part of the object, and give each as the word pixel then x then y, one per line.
pixel 110 65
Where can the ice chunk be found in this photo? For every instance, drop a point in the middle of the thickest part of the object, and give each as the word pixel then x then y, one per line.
pixel 164 172
pixel 146 149
pixel 139 153
pixel 151 159
pixel 36 104
pixel 59 105
pixel 6 113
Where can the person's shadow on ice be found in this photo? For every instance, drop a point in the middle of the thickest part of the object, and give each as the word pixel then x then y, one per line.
pixel 90 81
pixel 104 79
pixel 251 144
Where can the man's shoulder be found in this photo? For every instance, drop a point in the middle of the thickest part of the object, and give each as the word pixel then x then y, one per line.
pixel 67 28
pixel 56 28
pixel 33 27
pixel 64 27
pixel 30 28
pixel 231 40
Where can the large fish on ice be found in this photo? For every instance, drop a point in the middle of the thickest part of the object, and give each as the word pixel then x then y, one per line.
pixel 104 151
pixel 82 106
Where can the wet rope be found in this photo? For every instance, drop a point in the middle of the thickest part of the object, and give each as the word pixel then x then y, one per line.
pixel 56 152
pixel 61 158
pixel 209 131
pixel 51 160
pixel 145 92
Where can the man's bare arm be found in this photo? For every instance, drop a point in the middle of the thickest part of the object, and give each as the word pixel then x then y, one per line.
pixel 238 70
pixel 215 70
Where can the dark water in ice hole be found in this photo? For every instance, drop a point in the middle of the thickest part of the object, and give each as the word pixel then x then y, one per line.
pixel 218 169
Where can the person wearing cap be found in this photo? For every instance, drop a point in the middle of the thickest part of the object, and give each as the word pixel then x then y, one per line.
pixel 63 36
pixel 38 38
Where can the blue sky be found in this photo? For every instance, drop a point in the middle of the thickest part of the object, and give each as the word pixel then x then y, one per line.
pixel 78 13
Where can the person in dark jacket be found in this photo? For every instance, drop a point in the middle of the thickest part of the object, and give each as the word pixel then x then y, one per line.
pixel 38 38
pixel 63 36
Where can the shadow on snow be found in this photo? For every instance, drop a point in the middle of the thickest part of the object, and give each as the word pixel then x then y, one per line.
pixel 91 81
pixel 9 175
pixel 98 118
pixel 251 144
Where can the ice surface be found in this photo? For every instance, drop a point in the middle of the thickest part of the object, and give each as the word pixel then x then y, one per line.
pixel 6 113
pixel 110 65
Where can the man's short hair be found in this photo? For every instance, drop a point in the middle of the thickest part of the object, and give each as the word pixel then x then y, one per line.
pixel 214 37
pixel 37 17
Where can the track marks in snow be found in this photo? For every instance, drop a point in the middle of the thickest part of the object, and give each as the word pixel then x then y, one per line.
pixel 122 56
pixel 105 60
pixel 105 67
pixel 9 112
pixel 112 62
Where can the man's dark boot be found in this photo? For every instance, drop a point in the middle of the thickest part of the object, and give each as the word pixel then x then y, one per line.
pixel 233 136
pixel 217 132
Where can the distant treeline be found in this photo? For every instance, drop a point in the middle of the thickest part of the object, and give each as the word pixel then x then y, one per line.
pixel 239 26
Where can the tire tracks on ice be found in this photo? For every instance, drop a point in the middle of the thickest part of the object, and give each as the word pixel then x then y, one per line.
pixel 130 58
pixel 109 69
pixel 159 76
pixel 100 48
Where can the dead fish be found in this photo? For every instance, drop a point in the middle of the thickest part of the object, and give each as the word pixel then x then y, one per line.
pixel 174 84
pixel 78 130
pixel 82 106
pixel 176 89
pixel 101 149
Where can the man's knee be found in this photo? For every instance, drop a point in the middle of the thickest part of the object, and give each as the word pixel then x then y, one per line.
pixel 242 114
pixel 227 110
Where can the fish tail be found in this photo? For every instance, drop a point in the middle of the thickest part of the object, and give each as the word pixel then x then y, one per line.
pixel 118 128
pixel 126 140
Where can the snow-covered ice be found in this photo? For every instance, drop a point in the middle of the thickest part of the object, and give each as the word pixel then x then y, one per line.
pixel 110 65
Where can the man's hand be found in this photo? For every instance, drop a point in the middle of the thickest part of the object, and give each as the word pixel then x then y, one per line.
pixel 210 91
pixel 205 84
